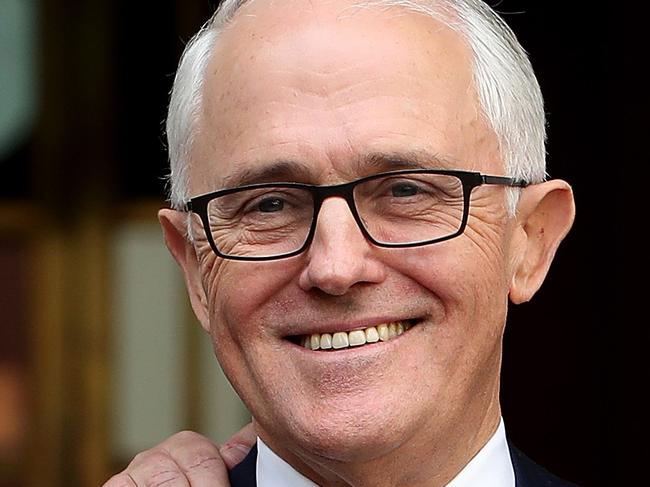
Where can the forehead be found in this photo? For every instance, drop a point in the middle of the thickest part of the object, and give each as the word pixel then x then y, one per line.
pixel 326 83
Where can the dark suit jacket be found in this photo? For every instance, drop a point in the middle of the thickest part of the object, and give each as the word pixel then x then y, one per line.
pixel 527 472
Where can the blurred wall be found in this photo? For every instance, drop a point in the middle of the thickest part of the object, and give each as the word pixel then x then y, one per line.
pixel 101 356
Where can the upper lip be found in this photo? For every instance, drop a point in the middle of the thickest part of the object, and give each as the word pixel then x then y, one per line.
pixel 347 325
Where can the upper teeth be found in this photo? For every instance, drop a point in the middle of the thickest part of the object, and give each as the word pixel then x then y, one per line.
pixel 372 334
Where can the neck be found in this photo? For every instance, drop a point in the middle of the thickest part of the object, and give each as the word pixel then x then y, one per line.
pixel 430 458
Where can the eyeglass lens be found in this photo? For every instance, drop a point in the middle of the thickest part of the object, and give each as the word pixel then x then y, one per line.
pixel 394 209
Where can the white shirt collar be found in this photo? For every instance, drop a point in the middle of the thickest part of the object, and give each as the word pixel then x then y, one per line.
pixel 272 471
pixel 491 467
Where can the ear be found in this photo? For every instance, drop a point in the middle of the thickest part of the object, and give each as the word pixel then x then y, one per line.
pixel 174 227
pixel 544 216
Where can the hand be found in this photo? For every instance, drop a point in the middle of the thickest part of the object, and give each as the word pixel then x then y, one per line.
pixel 186 459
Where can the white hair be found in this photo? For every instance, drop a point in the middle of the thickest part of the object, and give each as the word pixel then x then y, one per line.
pixel 509 94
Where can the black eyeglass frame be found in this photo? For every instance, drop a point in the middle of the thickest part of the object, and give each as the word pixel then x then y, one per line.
pixel 469 181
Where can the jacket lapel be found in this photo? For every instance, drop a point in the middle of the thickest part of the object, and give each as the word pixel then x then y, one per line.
pixel 529 474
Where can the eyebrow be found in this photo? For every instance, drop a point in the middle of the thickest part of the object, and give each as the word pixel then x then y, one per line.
pixel 273 172
pixel 392 161
pixel 284 170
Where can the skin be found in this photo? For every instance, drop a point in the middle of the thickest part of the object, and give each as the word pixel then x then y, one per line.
pixel 412 411
pixel 186 459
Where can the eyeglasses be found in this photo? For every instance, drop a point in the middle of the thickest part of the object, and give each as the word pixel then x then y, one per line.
pixel 406 208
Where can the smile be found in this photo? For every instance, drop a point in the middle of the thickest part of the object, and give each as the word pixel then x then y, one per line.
pixel 355 338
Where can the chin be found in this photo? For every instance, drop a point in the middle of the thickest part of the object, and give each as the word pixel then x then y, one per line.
pixel 358 436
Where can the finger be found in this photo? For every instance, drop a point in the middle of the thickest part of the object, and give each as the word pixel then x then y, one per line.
pixel 233 455
pixel 198 458
pixel 238 446
pixel 150 468
pixel 245 436
pixel 120 480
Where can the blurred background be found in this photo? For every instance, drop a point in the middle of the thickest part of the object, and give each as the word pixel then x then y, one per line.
pixel 100 356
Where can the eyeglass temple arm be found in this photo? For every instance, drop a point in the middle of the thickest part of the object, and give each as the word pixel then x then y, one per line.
pixel 485 179
pixel 187 207
pixel 518 183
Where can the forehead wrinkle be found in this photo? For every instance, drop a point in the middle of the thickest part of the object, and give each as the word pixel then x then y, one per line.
pixel 287 170
pixel 280 170
pixel 410 159
pixel 328 85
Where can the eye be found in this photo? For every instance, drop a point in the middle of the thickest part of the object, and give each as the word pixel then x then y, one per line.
pixel 270 205
pixel 404 189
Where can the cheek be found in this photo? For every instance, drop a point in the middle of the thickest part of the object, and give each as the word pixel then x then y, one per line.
pixel 466 275
pixel 243 296
pixel 446 270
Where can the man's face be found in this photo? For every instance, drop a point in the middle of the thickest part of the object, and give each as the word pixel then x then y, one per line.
pixel 324 88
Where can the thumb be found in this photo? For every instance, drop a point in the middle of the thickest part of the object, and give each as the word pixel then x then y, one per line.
pixel 232 454
pixel 238 446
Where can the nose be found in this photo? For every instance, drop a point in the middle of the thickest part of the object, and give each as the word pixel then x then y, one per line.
pixel 339 256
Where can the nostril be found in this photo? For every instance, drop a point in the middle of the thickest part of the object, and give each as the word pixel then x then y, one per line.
pixel 332 275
